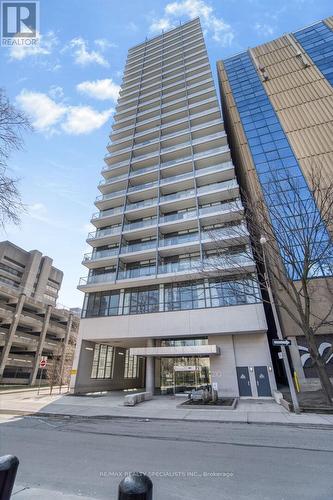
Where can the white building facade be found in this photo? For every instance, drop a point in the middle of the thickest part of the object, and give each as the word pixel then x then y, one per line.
pixel 151 317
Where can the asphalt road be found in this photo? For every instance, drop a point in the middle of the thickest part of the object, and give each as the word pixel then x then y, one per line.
pixel 81 459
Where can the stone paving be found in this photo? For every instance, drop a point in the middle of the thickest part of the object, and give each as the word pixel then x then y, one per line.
pixel 110 405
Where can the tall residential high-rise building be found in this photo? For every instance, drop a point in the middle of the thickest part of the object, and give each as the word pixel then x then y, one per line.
pixel 32 324
pixel 278 110
pixel 150 316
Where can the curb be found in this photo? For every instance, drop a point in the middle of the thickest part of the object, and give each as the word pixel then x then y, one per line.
pixel 141 418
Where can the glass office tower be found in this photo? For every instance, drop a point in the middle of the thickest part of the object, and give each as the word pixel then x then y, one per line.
pixel 278 108
pixel 150 315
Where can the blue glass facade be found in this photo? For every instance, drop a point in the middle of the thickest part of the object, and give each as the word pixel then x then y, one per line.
pixel 274 159
pixel 317 41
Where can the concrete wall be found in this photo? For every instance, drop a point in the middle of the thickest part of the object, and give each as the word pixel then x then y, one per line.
pixel 220 320
pixel 239 350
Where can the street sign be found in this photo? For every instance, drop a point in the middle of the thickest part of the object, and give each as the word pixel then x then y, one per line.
pixel 280 342
pixel 43 362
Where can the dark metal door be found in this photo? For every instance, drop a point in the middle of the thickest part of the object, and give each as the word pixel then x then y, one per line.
pixel 262 380
pixel 244 383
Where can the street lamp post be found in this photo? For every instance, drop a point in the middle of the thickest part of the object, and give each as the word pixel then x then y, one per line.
pixel 285 359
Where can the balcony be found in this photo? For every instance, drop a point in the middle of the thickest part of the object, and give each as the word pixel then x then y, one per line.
pixel 221 208
pixel 180 266
pixel 107 213
pixel 226 235
pixel 140 187
pixel 139 272
pixel 179 239
pixel 98 278
pixel 176 178
pixel 105 200
pixel 181 216
pixel 138 247
pixel 100 254
pixel 177 196
pixel 217 186
pixel 152 202
pixel 97 238
pixel 140 224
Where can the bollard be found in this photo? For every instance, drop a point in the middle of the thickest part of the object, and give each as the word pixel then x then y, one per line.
pixel 136 486
pixel 8 469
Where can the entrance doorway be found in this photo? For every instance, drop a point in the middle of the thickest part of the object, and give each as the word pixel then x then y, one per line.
pixel 244 384
pixel 183 374
pixel 262 381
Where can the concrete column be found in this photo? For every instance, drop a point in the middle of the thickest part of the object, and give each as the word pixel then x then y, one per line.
pixel 150 369
pixel 43 277
pixel 40 345
pixel 11 333
pixel 64 346
pixel 30 273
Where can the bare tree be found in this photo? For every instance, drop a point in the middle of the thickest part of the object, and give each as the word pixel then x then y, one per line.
pixel 297 256
pixel 12 124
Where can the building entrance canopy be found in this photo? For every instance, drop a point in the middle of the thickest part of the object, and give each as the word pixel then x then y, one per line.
pixel 173 351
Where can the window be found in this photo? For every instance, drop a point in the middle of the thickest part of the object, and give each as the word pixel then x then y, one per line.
pixel 188 295
pixel 131 368
pixel 101 304
pixel 103 361
pixel 141 300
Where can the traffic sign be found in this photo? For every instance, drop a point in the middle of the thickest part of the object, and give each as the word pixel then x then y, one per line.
pixel 43 362
pixel 280 342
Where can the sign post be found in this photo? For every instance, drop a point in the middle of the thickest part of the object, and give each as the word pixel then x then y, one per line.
pixel 42 365
pixel 280 342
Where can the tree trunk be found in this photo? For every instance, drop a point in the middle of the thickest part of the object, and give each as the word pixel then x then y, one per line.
pixel 320 367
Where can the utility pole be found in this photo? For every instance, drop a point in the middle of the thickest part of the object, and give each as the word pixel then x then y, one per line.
pixel 285 359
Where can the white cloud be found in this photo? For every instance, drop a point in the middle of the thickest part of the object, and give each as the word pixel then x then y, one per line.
pixel 219 30
pixel 99 89
pixel 45 46
pixel 104 44
pixel 56 92
pixel 84 119
pixel 264 29
pixel 50 117
pixel 83 56
pixel 161 24
pixel 44 111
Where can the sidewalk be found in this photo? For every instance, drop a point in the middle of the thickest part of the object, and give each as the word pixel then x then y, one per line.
pixel 110 405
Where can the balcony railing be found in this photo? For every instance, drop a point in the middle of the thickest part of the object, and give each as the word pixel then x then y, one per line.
pixel 109 196
pixel 138 247
pixel 100 254
pixel 176 267
pixel 178 240
pixel 236 231
pixel 135 173
pixel 98 278
pixel 177 196
pixel 101 233
pixel 187 175
pixel 179 216
pixel 137 272
pixel 104 182
pixel 106 213
pixel 139 187
pixel 222 207
pixel 141 204
pixel 217 185
pixel 140 224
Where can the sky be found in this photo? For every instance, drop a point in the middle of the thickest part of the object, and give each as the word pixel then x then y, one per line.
pixel 68 86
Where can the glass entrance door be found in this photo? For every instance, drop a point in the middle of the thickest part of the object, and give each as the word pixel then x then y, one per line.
pixel 181 375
